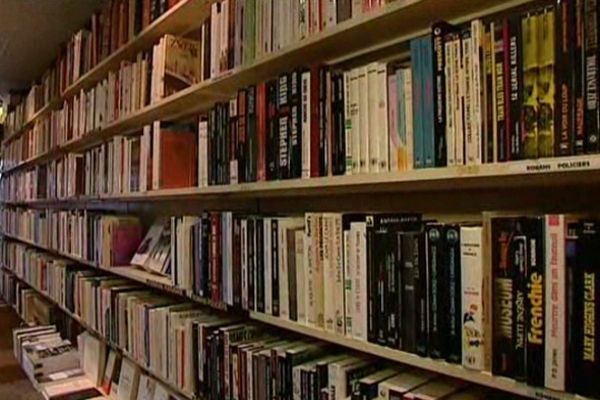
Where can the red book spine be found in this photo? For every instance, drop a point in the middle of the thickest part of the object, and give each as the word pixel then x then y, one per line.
pixel 261 111
pixel 314 122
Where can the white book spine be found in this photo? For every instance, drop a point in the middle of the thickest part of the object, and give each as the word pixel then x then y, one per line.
pixel 359 315
pixel 467 71
pixel 450 105
pixel 477 90
pixel 311 317
pixel 268 265
pixel 318 272
pixel 203 153
pixel 284 303
pixel 555 350
pixel 472 297
pixel 393 119
pixel 382 117
pixel 328 274
pixel 244 262
pixel 373 111
pixel 363 117
pixel 306 107
pixel 459 82
pixel 337 259
pixel 349 259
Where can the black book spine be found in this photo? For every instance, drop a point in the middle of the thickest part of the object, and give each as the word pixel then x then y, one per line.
pixel 275 266
pixel 438 294
pixel 251 146
pixel 237 266
pixel 392 289
pixel 588 301
pixel 451 263
pixel 565 35
pixel 283 111
pixel 242 144
pixel 534 230
pixel 339 126
pixel 396 324
pixel 499 89
pixel 210 152
pixel 260 266
pixel 373 258
pixel 518 254
pixel 226 137
pixel 503 231
pixel 206 246
pixel 573 361
pixel 515 85
pixel 383 294
pixel 422 295
pixel 295 146
pixel 272 132
pixel 323 123
pixel 591 116
pixel 233 138
pixel 578 78
pixel 409 300
pixel 438 31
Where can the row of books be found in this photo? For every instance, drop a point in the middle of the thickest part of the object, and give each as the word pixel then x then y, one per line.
pixel 101 239
pixel 117 23
pixel 398 281
pixel 226 358
pixel 33 309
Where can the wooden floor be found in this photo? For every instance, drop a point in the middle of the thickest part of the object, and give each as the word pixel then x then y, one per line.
pixel 14 385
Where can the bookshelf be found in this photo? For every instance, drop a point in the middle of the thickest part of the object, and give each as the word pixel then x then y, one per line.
pixel 362 38
pixel 401 20
pixel 96 334
pixel 178 20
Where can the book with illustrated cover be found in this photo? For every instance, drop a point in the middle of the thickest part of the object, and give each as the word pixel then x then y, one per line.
pixel 547 88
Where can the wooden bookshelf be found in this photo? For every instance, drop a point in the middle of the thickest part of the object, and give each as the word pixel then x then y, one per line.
pixel 38 114
pixel 575 171
pixel 397 22
pixel 97 334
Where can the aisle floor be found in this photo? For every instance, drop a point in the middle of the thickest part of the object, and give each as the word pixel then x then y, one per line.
pixel 14 385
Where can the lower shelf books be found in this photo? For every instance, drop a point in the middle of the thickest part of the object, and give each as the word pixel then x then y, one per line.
pixel 218 357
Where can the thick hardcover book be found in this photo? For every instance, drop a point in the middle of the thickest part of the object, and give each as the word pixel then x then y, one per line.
pixel 504 231
pixel 590 48
pixel 565 35
pixel 515 84
pixel 501 99
pixel 587 301
pixel 451 264
pixel 534 229
pixel 547 83
pixel 439 31
pixel 439 284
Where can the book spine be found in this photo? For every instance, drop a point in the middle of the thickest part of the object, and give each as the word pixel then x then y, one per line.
pixel 348 275
pixel 578 79
pixel 260 265
pixel 272 144
pixel 338 264
pixel 573 310
pixel 261 131
pixel 306 112
pixel 564 78
pixel 374 259
pixel 315 143
pixel 530 109
pixel 348 150
pixel 500 96
pixel 409 302
pixel 452 265
pixel 422 295
pixel 417 91
pixel 502 294
pixel 547 84
pixel 586 300
pixel 428 103
pixel 518 260
pixel 555 296
pixel 275 304
pixel 438 330
pixel 535 308
pixel 251 155
pixel 591 110
pixel 439 30
pixel 283 111
pixel 295 141
pixel 472 297
pixel 515 80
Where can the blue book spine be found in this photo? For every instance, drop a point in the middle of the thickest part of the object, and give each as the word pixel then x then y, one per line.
pixel 427 111
pixel 415 55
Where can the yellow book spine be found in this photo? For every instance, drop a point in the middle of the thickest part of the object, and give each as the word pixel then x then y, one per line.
pixel 546 88
pixel 529 24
